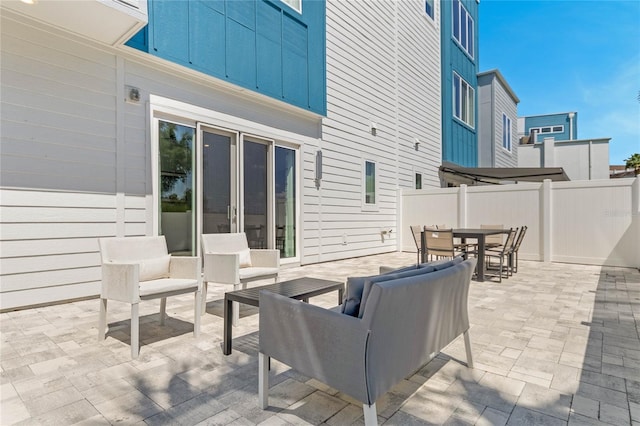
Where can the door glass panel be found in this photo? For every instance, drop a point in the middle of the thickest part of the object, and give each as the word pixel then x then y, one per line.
pixel 285 183
pixel 177 220
pixel 255 193
pixel 218 207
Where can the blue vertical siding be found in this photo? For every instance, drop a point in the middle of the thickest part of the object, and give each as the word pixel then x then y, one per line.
pixel 261 45
pixel 459 141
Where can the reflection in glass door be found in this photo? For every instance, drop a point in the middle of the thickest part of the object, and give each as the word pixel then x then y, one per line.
pixel 219 188
pixel 256 206
pixel 285 195
pixel 177 221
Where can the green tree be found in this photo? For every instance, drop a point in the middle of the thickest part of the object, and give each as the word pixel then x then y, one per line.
pixel 175 156
pixel 633 162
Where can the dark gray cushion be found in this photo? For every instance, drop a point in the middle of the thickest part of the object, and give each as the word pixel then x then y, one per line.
pixel 391 270
pixel 352 296
pixel 423 268
pixel 369 281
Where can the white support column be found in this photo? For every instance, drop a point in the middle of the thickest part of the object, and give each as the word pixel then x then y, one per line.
pixel 462 206
pixel 545 221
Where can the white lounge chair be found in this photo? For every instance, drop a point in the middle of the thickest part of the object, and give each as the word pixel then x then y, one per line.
pixel 140 268
pixel 229 260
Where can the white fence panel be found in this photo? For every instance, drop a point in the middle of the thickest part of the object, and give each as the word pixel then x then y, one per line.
pixel 586 222
pixel 512 206
pixel 593 222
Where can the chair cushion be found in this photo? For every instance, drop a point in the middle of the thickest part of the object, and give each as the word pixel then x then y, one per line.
pixel 245 258
pixel 154 268
pixel 255 271
pixel 150 289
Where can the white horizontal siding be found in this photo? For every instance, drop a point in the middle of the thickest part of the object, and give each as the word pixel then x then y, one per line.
pixel 383 66
pixel 49 242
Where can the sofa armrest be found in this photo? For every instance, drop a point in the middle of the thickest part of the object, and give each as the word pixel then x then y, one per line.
pixel 320 343
pixel 265 258
pixel 185 267
pixel 120 281
pixel 222 268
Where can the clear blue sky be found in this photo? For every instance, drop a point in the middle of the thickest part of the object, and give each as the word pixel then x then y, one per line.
pixel 570 55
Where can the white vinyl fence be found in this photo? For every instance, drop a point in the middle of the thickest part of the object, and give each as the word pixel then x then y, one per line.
pixel 586 222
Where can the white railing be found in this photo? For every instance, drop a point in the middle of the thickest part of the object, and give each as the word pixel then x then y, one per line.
pixel 587 222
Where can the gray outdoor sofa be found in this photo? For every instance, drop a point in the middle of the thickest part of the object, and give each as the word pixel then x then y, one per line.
pixel 397 322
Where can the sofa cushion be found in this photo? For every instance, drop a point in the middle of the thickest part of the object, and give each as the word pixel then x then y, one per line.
pixel 441 264
pixel 355 293
pixel 352 295
pixel 369 281
pixel 245 258
pixel 154 268
pixel 390 270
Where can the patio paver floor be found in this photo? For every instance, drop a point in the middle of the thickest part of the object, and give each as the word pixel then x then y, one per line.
pixel 555 344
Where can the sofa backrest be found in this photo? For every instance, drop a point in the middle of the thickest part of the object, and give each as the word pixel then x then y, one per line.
pixel 224 243
pixel 411 319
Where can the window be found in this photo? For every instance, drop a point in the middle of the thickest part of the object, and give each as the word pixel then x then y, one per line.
pixel 506 132
pixel 428 8
pixel 463 101
pixel 370 184
pixel 463 30
pixel 547 129
pixel 295 4
pixel 418 180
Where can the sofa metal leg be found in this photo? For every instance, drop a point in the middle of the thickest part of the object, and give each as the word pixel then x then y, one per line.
pixel 370 414
pixel 263 380
pixel 102 321
pixel 135 330
pixel 467 347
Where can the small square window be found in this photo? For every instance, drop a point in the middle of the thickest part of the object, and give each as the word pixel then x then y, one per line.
pixel 428 8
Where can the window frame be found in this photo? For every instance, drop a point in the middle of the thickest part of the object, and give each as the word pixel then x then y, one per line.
pixel 430 4
pixel 367 206
pixel 507 142
pixel 462 24
pixel 289 3
pixel 464 108
pixel 417 175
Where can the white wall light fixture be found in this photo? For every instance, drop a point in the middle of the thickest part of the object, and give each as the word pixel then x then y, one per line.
pixel 373 128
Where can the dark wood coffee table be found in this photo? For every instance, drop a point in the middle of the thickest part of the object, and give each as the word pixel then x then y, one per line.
pixel 299 288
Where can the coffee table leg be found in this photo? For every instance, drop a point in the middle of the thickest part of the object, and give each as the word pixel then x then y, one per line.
pixel 228 313
pixel 340 296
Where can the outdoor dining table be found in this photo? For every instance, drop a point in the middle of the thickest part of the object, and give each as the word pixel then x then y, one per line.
pixel 478 234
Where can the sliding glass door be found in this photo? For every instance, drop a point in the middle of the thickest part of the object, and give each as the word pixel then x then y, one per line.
pixel 214 180
pixel 219 181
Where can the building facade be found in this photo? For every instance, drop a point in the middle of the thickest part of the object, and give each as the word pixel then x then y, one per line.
pixel 561 126
pixel 293 121
pixel 459 82
pixel 497 121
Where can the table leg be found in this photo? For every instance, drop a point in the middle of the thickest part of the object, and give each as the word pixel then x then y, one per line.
pixel 228 314
pixel 480 266
pixel 423 244
pixel 340 296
